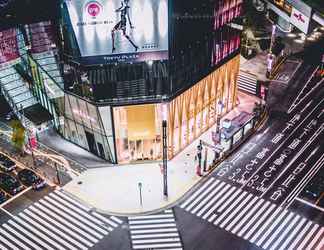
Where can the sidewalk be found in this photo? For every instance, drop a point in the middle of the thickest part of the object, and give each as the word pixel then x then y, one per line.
pixel 115 189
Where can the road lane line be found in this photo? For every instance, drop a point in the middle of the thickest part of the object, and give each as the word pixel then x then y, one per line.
pixel 20 237
pixel 161 230
pixel 299 236
pixel 8 243
pixel 131 222
pixel 155 216
pixel 293 234
pixel 238 193
pixel 311 245
pixel 307 238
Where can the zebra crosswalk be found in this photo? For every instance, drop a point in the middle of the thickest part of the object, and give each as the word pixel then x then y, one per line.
pixel 56 222
pixel 158 231
pixel 252 218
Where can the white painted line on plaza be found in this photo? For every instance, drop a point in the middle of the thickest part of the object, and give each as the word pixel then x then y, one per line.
pixel 292 234
pixel 300 236
pixel 183 205
pixel 9 236
pixel 63 235
pixel 161 230
pixel 76 215
pixel 310 204
pixel 281 144
pixel 64 228
pixel 242 213
pixel 44 230
pixel 15 197
pixel 76 222
pixel 259 221
pixel 237 210
pixel 30 235
pixel 151 216
pixel 153 246
pixel 66 222
pixel 143 236
pixel 272 226
pixel 217 204
pixel 307 238
pixel 153 226
pixel 214 199
pixel 131 222
pixel 277 231
pixel 284 233
pixel 228 210
pixel 311 245
pixel 207 198
pixel 201 196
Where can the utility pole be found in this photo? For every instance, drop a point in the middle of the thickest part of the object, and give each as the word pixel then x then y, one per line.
pixel 165 150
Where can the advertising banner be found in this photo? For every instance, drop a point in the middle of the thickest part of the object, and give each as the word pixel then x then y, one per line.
pixel 42 37
pixel 109 31
pixel 8 46
pixel 299 20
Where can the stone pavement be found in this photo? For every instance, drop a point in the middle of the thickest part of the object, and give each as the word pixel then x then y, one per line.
pixel 115 190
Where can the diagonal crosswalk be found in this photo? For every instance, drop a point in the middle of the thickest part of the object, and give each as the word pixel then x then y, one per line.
pixel 158 231
pixel 56 222
pixel 252 218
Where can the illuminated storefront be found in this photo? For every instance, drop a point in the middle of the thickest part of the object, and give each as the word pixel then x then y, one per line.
pixel 138 127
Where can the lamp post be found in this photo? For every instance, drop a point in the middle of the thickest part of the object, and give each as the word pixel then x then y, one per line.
pixel 219 109
pixel 164 148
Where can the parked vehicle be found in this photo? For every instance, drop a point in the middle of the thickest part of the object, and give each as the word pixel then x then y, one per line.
pixel 6 164
pixel 2 197
pixel 9 184
pixel 29 178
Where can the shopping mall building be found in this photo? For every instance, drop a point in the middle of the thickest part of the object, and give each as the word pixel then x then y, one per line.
pixel 108 71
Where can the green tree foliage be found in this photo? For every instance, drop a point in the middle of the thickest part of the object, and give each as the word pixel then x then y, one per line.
pixel 18 135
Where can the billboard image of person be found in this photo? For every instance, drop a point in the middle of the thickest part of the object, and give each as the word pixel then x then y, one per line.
pixel 109 31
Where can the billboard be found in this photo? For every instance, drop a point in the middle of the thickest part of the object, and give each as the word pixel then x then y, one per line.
pixel 42 36
pixel 8 46
pixel 109 31
pixel 299 20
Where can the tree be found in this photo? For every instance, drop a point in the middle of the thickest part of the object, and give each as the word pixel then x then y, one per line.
pixel 18 135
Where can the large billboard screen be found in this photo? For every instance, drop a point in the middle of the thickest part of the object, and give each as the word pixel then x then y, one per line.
pixel 109 31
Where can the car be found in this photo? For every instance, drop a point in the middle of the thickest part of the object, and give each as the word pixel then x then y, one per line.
pixel 2 197
pixel 6 164
pixel 29 178
pixel 9 184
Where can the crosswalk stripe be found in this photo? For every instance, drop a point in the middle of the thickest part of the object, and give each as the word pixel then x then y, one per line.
pixel 28 234
pixel 43 229
pixel 207 198
pixel 211 202
pixel 65 222
pixel 241 213
pixel 154 235
pixel 5 241
pixel 153 246
pixel 320 246
pixel 212 218
pixel 76 215
pixel 225 204
pixel 299 236
pixel 256 217
pixel 307 238
pixel 78 210
pixel 8 243
pixel 162 230
pixel 265 224
pixel 74 221
pixel 17 235
pixel 278 230
pixel 152 216
pixel 284 233
pixel 183 205
pixel 150 221
pixel 291 235
pixel 153 226
pixel 63 195
pixel 176 239
pixel 116 219
pixel 99 216
pixel 219 219
pixel 311 245
pixel 218 203
pixel 198 199
pixel 236 210
pixel 247 216
pixel 65 228
pixel 70 239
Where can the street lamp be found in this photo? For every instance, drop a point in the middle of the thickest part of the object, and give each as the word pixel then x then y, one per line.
pixel 219 109
pixel 164 148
